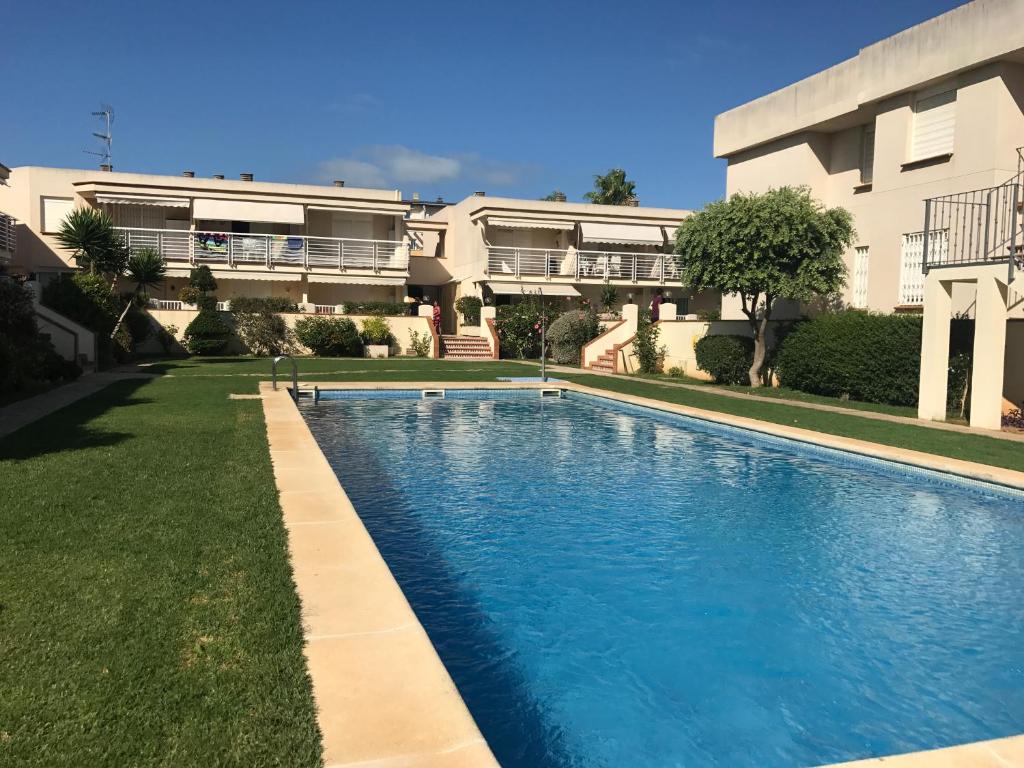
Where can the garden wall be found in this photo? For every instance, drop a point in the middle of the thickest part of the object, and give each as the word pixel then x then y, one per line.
pixel 401 327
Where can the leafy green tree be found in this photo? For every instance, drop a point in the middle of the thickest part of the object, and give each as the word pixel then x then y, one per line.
pixel 778 245
pixel 95 245
pixel 612 189
pixel 202 279
pixel 553 197
pixel 146 269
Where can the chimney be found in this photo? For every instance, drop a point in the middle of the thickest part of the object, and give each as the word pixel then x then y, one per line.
pixel 415 197
pixel 218 175
pixel 559 197
pixel 245 176
pixel 106 167
pixel 480 194
pixel 339 182
pixel 189 174
pixel 633 201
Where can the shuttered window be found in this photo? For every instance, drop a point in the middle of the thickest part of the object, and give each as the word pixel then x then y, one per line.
pixel 860 277
pixel 867 153
pixel 934 124
pixel 55 210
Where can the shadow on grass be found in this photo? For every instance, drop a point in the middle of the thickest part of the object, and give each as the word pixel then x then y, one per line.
pixel 69 428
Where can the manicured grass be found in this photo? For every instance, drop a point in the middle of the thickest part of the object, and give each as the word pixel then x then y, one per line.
pixel 147 612
pixel 969 447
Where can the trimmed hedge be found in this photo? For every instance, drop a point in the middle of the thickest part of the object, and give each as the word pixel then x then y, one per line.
pixel 26 357
pixel 329 336
pixel 249 304
pixel 389 308
pixel 874 358
pixel 568 333
pixel 207 334
pixel 727 358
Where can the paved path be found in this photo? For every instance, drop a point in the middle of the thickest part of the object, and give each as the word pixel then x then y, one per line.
pixel 23 412
pixel 875 415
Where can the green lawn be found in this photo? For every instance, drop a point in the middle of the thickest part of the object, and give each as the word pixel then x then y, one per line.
pixel 147 614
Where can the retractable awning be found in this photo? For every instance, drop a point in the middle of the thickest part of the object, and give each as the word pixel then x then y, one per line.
pixel 243 210
pixel 670 234
pixel 561 225
pixel 621 234
pixel 355 279
pixel 533 289
pixel 269 275
pixel 162 202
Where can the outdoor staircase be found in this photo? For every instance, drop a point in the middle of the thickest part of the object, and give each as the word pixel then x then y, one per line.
pixel 465 348
pixel 605 362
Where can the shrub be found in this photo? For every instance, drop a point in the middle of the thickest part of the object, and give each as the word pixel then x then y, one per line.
pixel 388 308
pixel 263 304
pixel 875 358
pixel 609 296
pixel 1014 419
pixel 329 336
pixel 202 279
pixel 650 357
pixel 675 372
pixel 189 295
pixel 166 337
pixel 518 328
pixel 207 334
pixel 420 343
pixel 262 331
pixel 569 332
pixel 26 358
pixel 139 326
pixel 469 308
pixel 84 298
pixel 377 331
pixel 208 303
pixel 726 358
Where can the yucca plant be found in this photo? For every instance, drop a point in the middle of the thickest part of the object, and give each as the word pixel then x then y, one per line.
pixel 95 245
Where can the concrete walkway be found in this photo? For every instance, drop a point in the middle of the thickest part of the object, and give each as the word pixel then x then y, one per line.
pixel 23 412
pixel 874 415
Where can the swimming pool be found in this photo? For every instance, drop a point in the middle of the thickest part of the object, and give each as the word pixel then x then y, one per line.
pixel 609 585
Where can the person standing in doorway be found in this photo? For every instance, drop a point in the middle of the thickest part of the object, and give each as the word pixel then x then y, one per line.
pixel 437 317
pixel 656 305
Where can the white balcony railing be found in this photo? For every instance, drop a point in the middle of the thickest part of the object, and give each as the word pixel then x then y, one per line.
pixel 7 236
pixel 233 249
pixel 572 265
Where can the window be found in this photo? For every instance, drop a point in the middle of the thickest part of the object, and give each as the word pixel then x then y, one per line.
pixel 934 122
pixel 911 273
pixel 867 153
pixel 860 277
pixel 55 210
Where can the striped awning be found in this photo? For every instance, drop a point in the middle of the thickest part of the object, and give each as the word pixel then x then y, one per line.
pixel 621 234
pixel 161 202
pixel 355 279
pixel 561 225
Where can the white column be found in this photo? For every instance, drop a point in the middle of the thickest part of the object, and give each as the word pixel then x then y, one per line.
pixel 668 311
pixel 938 308
pixel 989 354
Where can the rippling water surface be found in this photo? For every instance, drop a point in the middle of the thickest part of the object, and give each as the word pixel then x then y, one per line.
pixel 607 589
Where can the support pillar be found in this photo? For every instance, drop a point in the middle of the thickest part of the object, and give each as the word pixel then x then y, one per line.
pixel 989 354
pixel 938 310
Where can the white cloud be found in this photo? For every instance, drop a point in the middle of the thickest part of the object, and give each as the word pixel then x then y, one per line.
pixel 394 165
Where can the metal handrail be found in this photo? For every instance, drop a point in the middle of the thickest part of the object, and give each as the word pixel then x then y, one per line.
pixel 295 375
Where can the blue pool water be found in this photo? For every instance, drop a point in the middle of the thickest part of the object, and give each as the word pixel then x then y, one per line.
pixel 608 587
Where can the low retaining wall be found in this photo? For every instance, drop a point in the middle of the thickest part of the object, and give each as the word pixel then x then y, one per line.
pixel 402 327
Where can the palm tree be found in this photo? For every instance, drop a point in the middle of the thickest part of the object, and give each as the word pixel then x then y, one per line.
pixel 146 268
pixel 612 189
pixel 95 244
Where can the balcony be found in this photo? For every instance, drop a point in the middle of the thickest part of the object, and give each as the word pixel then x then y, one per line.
pixel 581 266
pixel 297 252
pixel 7 238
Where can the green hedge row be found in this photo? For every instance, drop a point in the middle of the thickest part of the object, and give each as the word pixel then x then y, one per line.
pixel 389 308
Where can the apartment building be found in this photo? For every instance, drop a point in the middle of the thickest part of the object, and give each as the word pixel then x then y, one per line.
pixel 934 113
pixel 319 245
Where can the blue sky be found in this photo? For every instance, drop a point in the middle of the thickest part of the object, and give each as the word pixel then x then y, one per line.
pixel 442 98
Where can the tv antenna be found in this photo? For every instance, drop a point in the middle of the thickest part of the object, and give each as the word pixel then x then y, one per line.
pixel 106 113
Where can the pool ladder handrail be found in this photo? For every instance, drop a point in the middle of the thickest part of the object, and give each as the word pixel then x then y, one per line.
pixel 295 375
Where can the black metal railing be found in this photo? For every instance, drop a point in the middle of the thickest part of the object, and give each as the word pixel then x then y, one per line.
pixel 977 227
